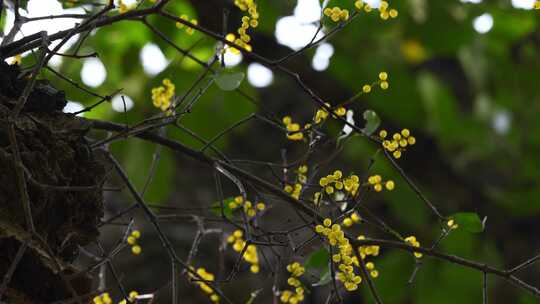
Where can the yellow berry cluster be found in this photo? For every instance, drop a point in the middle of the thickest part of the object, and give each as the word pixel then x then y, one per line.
pixel 132 297
pixel 335 181
pixel 537 5
pixel 377 183
pixel 322 113
pixel 354 218
pixel 301 178
pixel 132 240
pixel 294 190
pixel 336 14
pixel 297 295
pixel 252 20
pixel 293 128
pixel 398 143
pixel 452 224
pixel 384 10
pixel 162 95
pixel 411 240
pixel 250 255
pixel 123 8
pixel 345 256
pixel 103 298
pixel 189 30
pixel 207 277
pixel 382 82
pixel 249 208
pixel 366 251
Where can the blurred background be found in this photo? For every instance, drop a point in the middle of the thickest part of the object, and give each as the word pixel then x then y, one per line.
pixel 464 78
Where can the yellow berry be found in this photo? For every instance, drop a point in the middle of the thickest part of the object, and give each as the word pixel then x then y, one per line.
pixel 366 88
pixel 405 132
pixel 383 134
pixel 327 222
pixel 384 85
pixel 389 185
pixel 347 222
pixel 383 76
pixel 131 240
pixel 393 13
pixel 136 234
pixel 254 268
pixel 136 250
pixel 378 187
pixel 261 206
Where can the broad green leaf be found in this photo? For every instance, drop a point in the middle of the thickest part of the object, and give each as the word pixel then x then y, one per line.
pixel 318 259
pixel 469 221
pixel 372 121
pixel 229 81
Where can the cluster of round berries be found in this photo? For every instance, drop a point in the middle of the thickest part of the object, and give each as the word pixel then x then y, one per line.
pixel 398 143
pixel 105 298
pixel 385 13
pixel 301 178
pixel 249 208
pixel 452 224
pixel 377 183
pixel 336 14
pixel 296 296
pixel 383 83
pixel 354 218
pixel 250 256
pixel 333 182
pixel 203 285
pixel 293 129
pixel 132 241
pixel 366 251
pixel 345 256
pixel 162 95
pixel 247 21
pixel 411 240
pixel 189 30
pixel 322 113
pixel 132 297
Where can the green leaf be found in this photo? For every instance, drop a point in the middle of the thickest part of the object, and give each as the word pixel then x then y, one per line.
pixel 318 259
pixel 229 81
pixel 372 122
pixel 325 278
pixel 469 221
pixel 227 211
